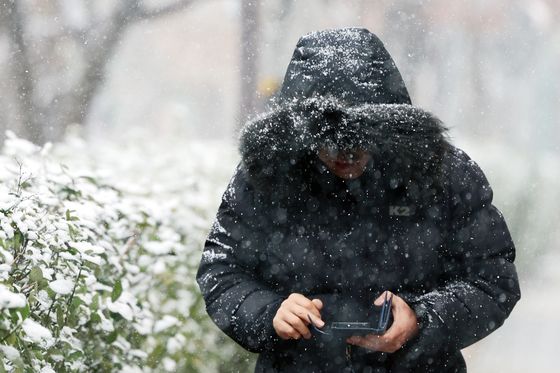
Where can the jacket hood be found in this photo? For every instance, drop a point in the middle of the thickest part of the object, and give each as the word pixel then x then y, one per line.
pixel 350 64
pixel 341 89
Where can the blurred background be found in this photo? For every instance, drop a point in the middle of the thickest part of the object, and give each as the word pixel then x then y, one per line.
pixel 165 76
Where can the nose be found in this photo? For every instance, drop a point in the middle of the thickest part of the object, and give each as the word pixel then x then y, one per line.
pixel 346 156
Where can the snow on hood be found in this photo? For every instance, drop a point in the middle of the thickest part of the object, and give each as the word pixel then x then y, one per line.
pixel 341 88
pixel 351 64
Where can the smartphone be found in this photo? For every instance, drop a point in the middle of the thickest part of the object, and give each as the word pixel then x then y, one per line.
pixel 344 329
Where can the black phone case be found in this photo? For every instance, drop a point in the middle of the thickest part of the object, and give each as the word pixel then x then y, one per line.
pixel 378 321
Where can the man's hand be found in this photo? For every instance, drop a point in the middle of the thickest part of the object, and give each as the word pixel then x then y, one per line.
pixel 405 327
pixel 291 319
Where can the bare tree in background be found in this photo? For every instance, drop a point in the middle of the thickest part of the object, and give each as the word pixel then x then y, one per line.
pixel 48 101
pixel 249 57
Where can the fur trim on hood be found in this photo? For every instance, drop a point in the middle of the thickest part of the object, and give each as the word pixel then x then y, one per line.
pixel 404 140
pixel 341 89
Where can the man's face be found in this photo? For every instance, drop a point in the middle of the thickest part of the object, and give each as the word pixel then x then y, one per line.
pixel 346 164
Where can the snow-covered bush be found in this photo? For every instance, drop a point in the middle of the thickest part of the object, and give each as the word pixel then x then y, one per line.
pixel 98 250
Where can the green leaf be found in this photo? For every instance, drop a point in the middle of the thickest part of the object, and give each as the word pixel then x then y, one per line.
pixel 12 339
pixel 116 316
pixel 95 303
pixel 50 292
pixel 16 315
pixel 76 303
pixel 75 355
pixel 69 216
pixel 90 179
pixel 72 318
pixel 36 274
pixel 112 337
pixel 43 284
pixel 59 316
pixel 25 311
pixel 117 291
pixel 17 240
pixel 95 318
pixel 72 232
pixel 155 356
pixel 32 297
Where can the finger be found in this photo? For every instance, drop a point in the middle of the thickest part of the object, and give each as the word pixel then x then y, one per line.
pixel 286 331
pixel 371 342
pixel 317 323
pixel 399 318
pixel 375 343
pixel 304 313
pixel 318 303
pixel 393 338
pixel 405 324
pixel 379 301
pixel 302 300
pixel 396 329
pixel 308 305
pixel 390 342
pixel 299 298
pixel 355 340
pixel 305 302
pixel 298 325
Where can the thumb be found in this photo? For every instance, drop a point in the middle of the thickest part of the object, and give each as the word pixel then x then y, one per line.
pixel 379 301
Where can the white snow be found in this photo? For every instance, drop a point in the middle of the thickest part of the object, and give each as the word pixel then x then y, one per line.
pixel 158 247
pixel 7 228
pixel 166 322
pixel 10 352
pixel 5 271
pixel 37 333
pixel 87 247
pixel 8 299
pixel 92 259
pixel 67 335
pixel 6 256
pixel 169 364
pixel 176 343
pixel 122 309
pixel 62 286
pixel 106 324
pixel 211 255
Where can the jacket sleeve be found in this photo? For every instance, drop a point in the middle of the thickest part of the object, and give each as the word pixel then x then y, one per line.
pixel 479 286
pixel 238 302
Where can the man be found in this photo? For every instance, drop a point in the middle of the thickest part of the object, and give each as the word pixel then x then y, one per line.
pixel 346 191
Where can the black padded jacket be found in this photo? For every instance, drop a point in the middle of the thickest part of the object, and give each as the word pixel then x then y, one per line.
pixel 418 222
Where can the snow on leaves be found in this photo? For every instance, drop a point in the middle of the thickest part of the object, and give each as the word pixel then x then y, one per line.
pixel 97 257
pixel 9 299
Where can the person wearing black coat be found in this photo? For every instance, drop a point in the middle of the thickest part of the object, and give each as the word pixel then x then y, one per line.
pixel 346 191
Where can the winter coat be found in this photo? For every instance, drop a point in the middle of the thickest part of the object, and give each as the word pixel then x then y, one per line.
pixel 418 222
